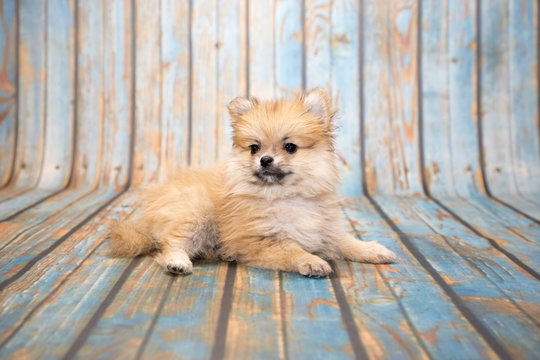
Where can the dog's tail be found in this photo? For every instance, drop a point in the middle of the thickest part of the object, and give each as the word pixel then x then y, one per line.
pixel 127 241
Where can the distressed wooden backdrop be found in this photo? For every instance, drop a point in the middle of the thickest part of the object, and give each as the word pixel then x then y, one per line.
pixel 439 151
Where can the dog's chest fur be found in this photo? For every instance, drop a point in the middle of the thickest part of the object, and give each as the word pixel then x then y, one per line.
pixel 308 222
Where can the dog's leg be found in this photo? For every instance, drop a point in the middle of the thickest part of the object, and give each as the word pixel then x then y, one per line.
pixel 174 257
pixel 285 256
pixel 363 251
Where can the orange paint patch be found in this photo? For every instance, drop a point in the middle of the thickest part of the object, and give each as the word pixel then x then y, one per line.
pixel 317 302
pixel 430 336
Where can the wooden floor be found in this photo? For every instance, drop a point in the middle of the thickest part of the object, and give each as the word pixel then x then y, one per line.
pixel 466 286
pixel 439 143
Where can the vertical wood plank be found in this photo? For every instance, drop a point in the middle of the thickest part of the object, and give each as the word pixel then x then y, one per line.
pixel 8 101
pixel 345 91
pixel 391 96
pixel 90 106
pixel 310 307
pixel 175 57
pixel 450 136
pixel 288 39
pixel 198 312
pixel 148 88
pixel 60 98
pixel 117 92
pixel 524 93
pixel 204 99
pixel 332 63
pixel 261 48
pixel 232 69
pixel 31 94
pixel 510 97
pixel 58 107
pixel 255 329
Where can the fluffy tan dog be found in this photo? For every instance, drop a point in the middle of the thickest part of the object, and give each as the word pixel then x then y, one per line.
pixel 273 204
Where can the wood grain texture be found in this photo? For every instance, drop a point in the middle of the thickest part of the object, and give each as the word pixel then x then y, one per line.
pixel 310 307
pixel 391 96
pixel 58 115
pixel 332 63
pixel 449 116
pixel 90 108
pixel 288 47
pixel 486 282
pixel 175 58
pixel 8 98
pixel 30 96
pixel 255 323
pixel 49 276
pixel 117 93
pixel 204 82
pixel 98 96
pixel 345 91
pixel 261 20
pixel 148 96
pixel 509 101
pixel 402 308
pixel 197 313
pixel 60 94
pixel 232 74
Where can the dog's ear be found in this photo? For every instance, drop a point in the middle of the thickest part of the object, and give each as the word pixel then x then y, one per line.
pixel 241 105
pixel 317 103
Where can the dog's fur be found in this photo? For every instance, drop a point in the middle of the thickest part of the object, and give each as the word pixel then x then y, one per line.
pixel 284 216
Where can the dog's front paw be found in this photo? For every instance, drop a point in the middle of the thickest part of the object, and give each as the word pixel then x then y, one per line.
pixel 180 267
pixel 314 267
pixel 379 254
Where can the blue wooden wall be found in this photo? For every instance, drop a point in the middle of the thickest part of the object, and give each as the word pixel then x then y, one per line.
pixel 439 151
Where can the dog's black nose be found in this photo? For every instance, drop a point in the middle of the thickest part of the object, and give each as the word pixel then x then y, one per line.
pixel 266 161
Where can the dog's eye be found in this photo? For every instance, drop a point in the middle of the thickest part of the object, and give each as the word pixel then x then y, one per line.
pixel 254 148
pixel 290 148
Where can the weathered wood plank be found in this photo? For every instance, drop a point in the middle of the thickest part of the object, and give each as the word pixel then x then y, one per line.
pixel 255 322
pixel 345 45
pixel 175 87
pixel 509 69
pixel 332 63
pixel 32 217
pixel 135 305
pixel 204 82
pixel 8 101
pixel 58 107
pixel 403 310
pixel 148 92
pixel 117 94
pixel 491 287
pixel 391 96
pixel 449 123
pixel 60 90
pixel 90 82
pixel 30 97
pixel 512 232
pixel 310 307
pixel 261 50
pixel 53 274
pixel 188 326
pixel 288 47
pixel 231 67
pixel 27 245
pixel 507 276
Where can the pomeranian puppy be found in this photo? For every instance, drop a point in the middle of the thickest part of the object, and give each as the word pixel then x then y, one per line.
pixel 273 204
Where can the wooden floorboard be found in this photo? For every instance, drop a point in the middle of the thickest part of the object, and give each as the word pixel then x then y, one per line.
pixel 450 291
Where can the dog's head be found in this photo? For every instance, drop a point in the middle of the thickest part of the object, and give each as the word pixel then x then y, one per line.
pixel 283 146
